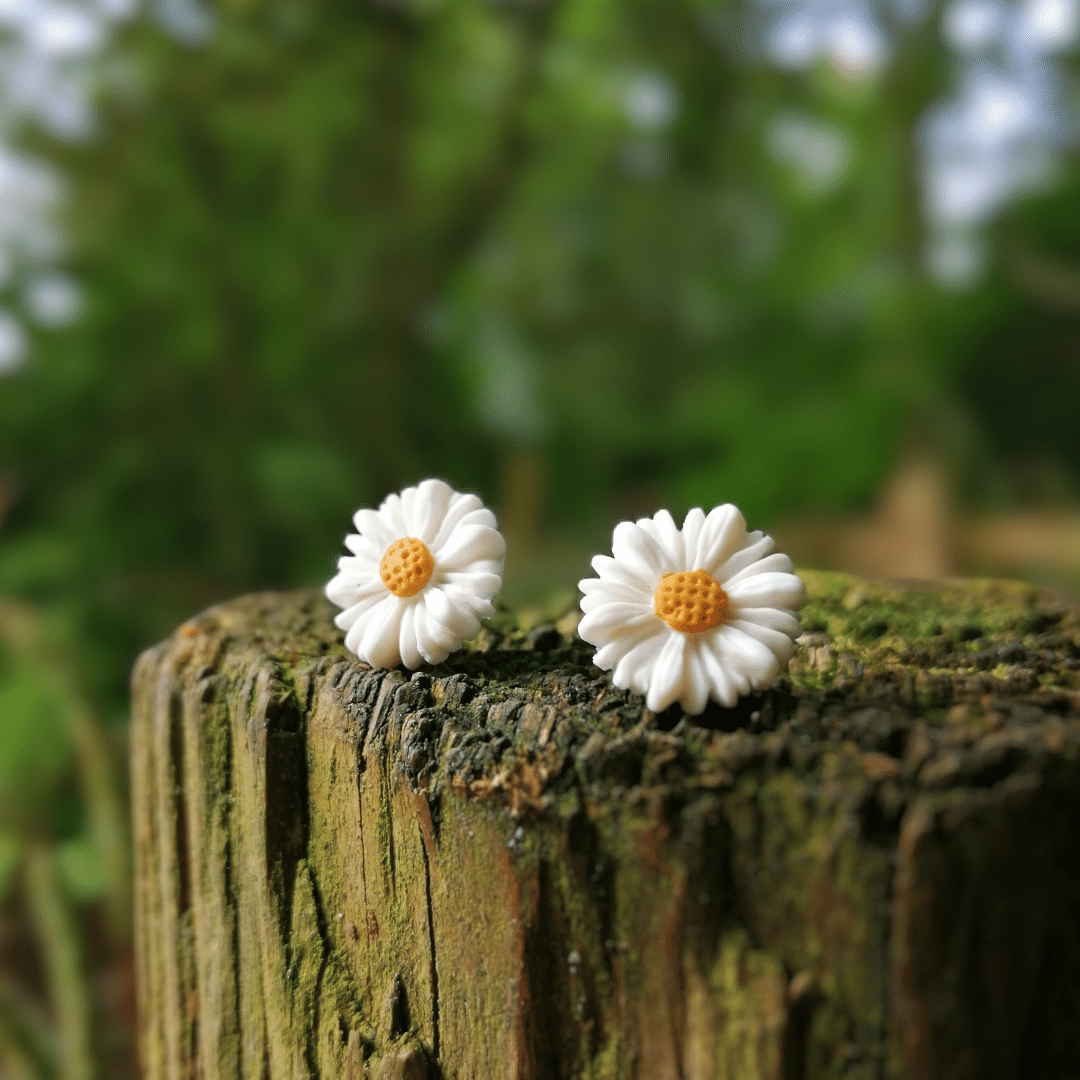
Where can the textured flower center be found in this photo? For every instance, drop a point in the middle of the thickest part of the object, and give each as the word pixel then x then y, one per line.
pixel 406 567
pixel 690 601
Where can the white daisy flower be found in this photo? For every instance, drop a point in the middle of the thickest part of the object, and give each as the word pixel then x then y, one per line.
pixel 423 570
pixel 688 614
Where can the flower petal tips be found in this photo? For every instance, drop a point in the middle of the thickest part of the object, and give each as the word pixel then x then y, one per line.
pixel 422 573
pixel 705 611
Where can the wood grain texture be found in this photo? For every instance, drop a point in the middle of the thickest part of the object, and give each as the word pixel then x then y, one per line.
pixel 504 867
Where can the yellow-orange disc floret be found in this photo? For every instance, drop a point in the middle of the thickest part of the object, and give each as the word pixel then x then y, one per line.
pixel 406 567
pixel 690 601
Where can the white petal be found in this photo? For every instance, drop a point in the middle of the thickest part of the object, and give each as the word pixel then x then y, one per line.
pixel 601 624
pixel 374 528
pixel 662 528
pixel 776 563
pixel 482 609
pixel 483 585
pixel 357 567
pixel 634 670
pixel 379 645
pixel 467 544
pixel 633 546
pixel 590 603
pixel 773 590
pixel 601 592
pixel 433 640
pixel 356 631
pixel 773 618
pixel 611 569
pixel 429 507
pixel 746 656
pixel 669 673
pixel 354 638
pixel 457 618
pixel 695 695
pixel 722 532
pixel 780 645
pixel 460 505
pixel 410 654
pixel 598 586
pixel 720 685
pixel 607 657
pixel 346 589
pixel 691 534
pixel 483 516
pixel 393 513
pixel 408 509
pixel 758 545
pixel 363 548
pixel 467 600
pixel 727 662
pixel 347 619
pixel 481 566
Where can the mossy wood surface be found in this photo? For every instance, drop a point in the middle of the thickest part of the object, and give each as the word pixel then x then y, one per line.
pixel 503 867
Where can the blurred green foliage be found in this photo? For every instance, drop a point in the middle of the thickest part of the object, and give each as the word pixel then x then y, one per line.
pixel 345 245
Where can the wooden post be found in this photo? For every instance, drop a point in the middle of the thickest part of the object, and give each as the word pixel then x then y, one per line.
pixel 503 867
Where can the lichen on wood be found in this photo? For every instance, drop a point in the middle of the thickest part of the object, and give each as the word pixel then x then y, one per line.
pixel 503 866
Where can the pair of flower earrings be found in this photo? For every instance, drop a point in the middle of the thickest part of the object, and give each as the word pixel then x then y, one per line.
pixel 708 610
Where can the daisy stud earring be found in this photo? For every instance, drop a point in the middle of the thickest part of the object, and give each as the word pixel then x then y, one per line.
pixel 686 614
pixel 422 574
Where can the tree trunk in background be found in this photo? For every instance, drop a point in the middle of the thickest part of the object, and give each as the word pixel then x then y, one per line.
pixel 504 867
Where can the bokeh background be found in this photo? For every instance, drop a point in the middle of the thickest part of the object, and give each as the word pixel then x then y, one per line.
pixel 263 261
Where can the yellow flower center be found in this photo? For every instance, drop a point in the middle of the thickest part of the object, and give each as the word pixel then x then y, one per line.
pixel 406 567
pixel 690 601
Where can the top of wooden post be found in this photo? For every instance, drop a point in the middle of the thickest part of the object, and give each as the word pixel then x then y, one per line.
pixel 503 865
pixel 977 655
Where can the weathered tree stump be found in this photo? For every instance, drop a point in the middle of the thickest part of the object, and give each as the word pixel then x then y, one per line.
pixel 505 867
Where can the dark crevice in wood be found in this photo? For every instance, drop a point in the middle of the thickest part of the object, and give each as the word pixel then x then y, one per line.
pixel 1053 1027
pixel 233 929
pixel 433 960
pixel 192 1004
pixel 366 915
pixel 176 770
pixel 326 950
pixel 885 990
pixel 391 849
pixel 545 959
pixel 435 808
pixel 380 731
pixel 800 1015
pixel 286 811
pixel 230 884
pixel 583 846
pixel 397 1006
pixel 562 1012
